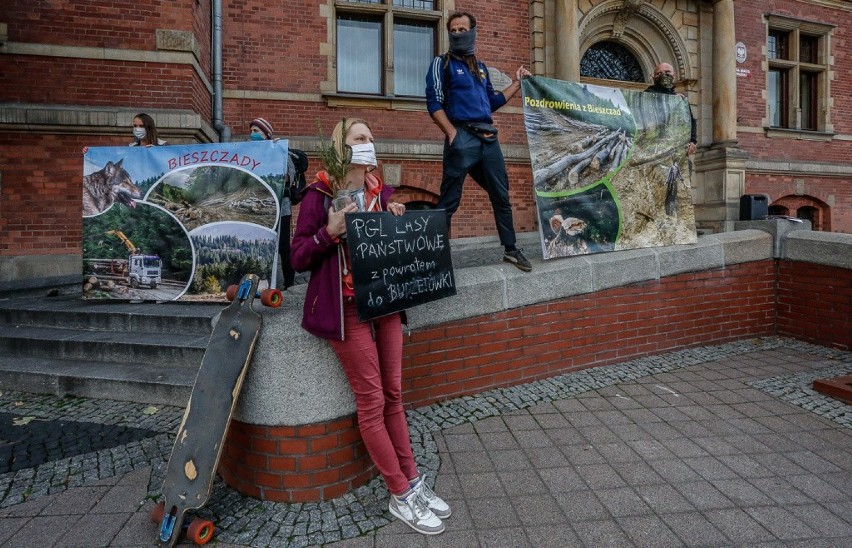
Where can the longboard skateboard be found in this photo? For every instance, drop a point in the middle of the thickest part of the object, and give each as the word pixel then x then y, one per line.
pixel 198 446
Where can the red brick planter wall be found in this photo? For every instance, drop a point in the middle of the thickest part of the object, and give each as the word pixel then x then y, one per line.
pixel 322 461
pixel 612 326
pixel 296 463
pixel 815 303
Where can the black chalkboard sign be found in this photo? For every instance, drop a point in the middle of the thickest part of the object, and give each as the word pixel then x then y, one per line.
pixel 398 262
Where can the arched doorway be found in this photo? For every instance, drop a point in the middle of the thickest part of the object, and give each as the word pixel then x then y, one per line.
pixel 634 37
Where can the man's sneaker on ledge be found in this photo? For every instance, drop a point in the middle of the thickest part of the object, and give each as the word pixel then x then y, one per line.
pixel 430 499
pixel 516 257
pixel 414 512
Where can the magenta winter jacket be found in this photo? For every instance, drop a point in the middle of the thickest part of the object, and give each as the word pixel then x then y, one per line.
pixel 315 251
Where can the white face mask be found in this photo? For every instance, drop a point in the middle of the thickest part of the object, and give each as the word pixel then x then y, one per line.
pixel 364 154
pixel 139 132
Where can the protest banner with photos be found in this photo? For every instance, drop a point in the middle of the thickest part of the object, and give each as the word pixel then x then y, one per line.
pixel 610 169
pixel 180 222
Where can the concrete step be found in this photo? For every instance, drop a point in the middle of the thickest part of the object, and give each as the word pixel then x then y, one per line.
pixel 75 313
pixel 137 382
pixel 130 347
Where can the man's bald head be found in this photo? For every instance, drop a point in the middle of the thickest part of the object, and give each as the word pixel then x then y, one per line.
pixel 663 68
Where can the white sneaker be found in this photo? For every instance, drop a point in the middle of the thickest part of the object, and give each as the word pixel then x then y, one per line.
pixel 414 512
pixel 430 499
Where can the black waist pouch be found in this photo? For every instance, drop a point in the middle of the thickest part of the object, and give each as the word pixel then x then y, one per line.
pixel 486 133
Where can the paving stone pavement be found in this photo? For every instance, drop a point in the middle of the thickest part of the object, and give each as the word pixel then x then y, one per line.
pixel 724 445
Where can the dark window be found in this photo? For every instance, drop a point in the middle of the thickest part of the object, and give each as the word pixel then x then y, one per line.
pixel 808 99
pixel 807 213
pixel 809 49
pixel 777 45
pixel 778 98
pixel 797 87
pixel 778 210
pixel 611 61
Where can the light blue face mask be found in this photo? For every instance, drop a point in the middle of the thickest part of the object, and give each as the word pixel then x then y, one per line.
pixel 257 137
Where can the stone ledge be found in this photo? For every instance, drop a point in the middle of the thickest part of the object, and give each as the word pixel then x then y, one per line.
pixel 825 248
pixel 171 123
pixel 778 228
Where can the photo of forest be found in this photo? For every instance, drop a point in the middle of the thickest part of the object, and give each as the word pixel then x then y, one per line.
pixel 224 251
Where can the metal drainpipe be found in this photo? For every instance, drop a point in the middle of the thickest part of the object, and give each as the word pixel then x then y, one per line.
pixel 216 58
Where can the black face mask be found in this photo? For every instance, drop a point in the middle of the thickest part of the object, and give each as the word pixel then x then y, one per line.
pixel 665 81
pixel 463 43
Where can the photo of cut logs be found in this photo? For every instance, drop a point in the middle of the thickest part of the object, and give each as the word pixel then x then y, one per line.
pixel 577 154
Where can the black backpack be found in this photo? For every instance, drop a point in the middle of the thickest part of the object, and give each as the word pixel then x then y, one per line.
pixel 296 187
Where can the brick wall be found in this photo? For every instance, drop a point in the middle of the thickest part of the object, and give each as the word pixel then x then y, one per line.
pixel 296 463
pixel 751 111
pixel 612 326
pixel 820 192
pixel 815 303
pixel 41 205
pixel 276 47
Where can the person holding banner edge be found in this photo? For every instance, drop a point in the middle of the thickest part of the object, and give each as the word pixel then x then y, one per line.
pixel 145 131
pixel 664 83
pixel 460 100
pixel 370 352
pixel 261 130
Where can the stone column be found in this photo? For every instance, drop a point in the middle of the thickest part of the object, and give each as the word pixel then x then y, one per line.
pixel 567 41
pixel 724 74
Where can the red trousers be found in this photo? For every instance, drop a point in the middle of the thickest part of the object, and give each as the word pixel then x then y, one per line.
pixel 374 369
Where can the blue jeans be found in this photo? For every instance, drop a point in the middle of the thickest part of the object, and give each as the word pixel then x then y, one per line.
pixel 485 164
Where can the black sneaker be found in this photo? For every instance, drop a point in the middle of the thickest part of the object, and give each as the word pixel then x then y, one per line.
pixel 516 257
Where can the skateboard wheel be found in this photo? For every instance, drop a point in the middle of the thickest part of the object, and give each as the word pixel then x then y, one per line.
pixel 158 511
pixel 200 531
pixel 271 298
pixel 231 293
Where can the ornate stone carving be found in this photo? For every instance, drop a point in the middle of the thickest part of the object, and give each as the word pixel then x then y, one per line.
pixel 627 10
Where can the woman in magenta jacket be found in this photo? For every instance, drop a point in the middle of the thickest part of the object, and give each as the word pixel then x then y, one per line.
pixel 370 352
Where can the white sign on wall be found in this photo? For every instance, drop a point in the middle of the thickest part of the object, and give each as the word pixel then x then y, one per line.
pixel 741 52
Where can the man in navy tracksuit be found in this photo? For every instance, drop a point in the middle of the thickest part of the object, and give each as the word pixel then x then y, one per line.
pixel 460 99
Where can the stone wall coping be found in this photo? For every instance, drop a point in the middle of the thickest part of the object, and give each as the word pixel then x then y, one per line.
pixel 825 248
pixel 295 378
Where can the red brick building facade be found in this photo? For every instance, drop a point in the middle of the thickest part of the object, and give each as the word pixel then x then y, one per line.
pixel 73 74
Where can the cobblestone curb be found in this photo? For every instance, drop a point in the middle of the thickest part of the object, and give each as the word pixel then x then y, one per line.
pixel 244 520
pixel 797 389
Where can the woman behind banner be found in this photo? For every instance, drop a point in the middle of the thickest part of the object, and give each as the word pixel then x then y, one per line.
pixel 370 352
pixel 145 132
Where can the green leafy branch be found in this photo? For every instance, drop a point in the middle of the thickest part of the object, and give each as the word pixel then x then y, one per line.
pixel 334 164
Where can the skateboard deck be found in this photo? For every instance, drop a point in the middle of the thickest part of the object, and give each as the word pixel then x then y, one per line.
pixel 198 446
